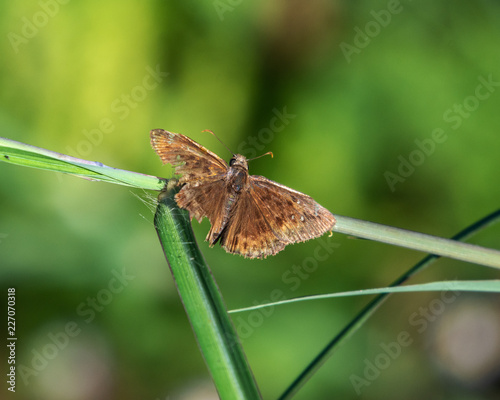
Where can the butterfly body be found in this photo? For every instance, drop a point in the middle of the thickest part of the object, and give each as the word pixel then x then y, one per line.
pixel 236 182
pixel 249 215
pixel 237 173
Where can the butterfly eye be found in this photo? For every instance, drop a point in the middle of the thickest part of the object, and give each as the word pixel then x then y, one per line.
pixel 232 161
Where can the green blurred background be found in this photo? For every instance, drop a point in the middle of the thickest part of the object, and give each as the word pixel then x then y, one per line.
pixel 342 93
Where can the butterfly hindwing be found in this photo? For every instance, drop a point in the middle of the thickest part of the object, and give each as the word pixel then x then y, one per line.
pixel 247 232
pixel 194 199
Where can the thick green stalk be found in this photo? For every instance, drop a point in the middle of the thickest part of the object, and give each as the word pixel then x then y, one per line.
pixel 203 303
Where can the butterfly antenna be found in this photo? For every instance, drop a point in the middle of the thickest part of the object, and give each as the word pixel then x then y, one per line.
pixel 208 130
pixel 269 153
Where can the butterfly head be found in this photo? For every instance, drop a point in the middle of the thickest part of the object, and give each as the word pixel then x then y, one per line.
pixel 239 161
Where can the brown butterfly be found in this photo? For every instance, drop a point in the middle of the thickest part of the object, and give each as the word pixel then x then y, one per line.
pixel 250 215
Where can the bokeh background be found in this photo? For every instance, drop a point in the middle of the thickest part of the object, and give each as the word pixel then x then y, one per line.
pixel 386 111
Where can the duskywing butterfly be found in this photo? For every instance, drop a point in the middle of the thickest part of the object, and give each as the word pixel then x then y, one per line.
pixel 250 215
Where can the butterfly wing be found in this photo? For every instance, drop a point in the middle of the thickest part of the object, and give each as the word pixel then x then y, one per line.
pixel 208 199
pixel 191 160
pixel 248 233
pixel 293 216
pixel 268 216
pixel 203 193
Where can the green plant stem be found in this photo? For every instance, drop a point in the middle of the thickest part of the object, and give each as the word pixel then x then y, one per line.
pixel 26 155
pixel 418 241
pixel 203 303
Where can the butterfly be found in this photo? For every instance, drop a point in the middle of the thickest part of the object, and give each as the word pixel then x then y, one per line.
pixel 249 215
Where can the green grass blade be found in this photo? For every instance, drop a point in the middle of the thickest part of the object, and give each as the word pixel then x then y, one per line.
pixel 368 311
pixel 418 241
pixel 22 154
pixel 203 303
pixel 488 286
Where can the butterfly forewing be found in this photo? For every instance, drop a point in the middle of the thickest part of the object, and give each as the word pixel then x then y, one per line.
pixel 293 216
pixel 191 160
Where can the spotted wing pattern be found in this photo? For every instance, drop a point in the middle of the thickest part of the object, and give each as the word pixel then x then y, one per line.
pixel 293 216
